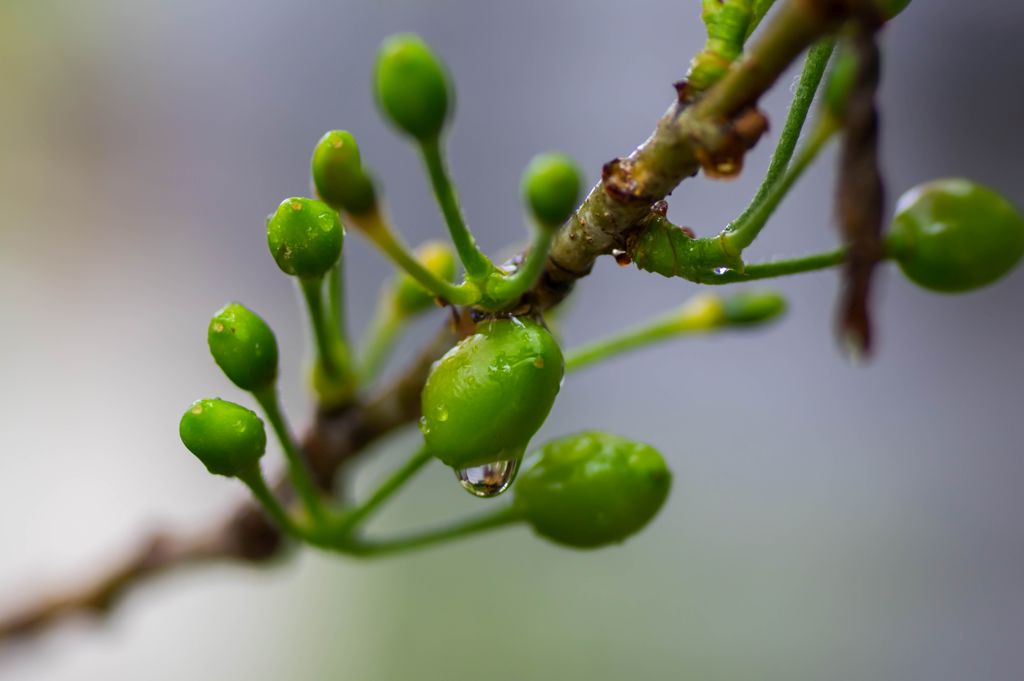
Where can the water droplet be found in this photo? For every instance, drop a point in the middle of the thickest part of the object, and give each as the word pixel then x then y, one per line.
pixel 488 480
pixel 442 414
pixel 621 257
pixel 720 270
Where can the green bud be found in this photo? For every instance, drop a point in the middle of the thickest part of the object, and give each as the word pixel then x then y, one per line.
pixel 551 188
pixel 841 79
pixel 488 395
pixel 753 307
pixel 412 86
pixel 591 489
pixel 338 174
pixel 955 235
pixel 305 237
pixel 409 296
pixel 226 437
pixel 243 346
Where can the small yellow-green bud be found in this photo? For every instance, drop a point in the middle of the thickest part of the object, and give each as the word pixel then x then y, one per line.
pixel 410 297
pixel 305 237
pixel 749 308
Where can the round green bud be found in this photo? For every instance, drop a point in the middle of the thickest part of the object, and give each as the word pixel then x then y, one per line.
pixel 748 308
pixel 305 237
pixel 591 489
pixel 243 346
pixel 955 235
pixel 409 296
pixel 551 188
pixel 412 86
pixel 488 395
pixel 338 174
pixel 226 437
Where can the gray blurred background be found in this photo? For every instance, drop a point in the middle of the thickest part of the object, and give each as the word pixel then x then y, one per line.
pixel 828 521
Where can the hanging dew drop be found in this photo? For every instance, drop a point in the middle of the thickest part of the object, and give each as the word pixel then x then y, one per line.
pixel 488 480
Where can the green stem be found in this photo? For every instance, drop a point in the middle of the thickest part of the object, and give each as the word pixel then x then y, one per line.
pixel 256 483
pixel 502 289
pixel 458 530
pixel 298 471
pixel 736 238
pixel 744 229
pixel 378 230
pixel 336 300
pixel 330 348
pixel 391 485
pixel 477 265
pixel 780 268
pixel 700 314
pixel 379 340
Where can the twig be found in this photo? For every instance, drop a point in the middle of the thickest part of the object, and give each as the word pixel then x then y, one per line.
pixel 715 129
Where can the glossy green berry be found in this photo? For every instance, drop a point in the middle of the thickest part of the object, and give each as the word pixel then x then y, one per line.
pixel 338 174
pixel 488 395
pixel 243 346
pixel 305 237
pixel 226 437
pixel 591 489
pixel 410 297
pixel 955 235
pixel 551 188
pixel 412 86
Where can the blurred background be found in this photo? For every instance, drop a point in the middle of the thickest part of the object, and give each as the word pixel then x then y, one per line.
pixel 828 520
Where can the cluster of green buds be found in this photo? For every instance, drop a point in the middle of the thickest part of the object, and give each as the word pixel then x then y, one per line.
pixel 483 402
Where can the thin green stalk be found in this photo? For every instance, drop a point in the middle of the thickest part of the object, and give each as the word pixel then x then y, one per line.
pixel 810 79
pixel 329 348
pixel 298 471
pixel 256 483
pixel 473 259
pixel 378 230
pixel 391 485
pixel 336 300
pixel 781 268
pixel 700 314
pixel 736 239
pixel 458 530
pixel 506 289
pixel 380 339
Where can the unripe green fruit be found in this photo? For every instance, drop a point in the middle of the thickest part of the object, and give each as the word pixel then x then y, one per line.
pixel 955 235
pixel 305 237
pixel 338 174
pixel 410 297
pixel 412 86
pixel 551 187
pixel 488 395
pixel 243 346
pixel 591 489
pixel 226 437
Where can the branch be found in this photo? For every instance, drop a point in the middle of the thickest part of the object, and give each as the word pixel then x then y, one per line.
pixel 712 131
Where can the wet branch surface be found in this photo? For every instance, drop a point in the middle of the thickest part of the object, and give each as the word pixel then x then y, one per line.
pixel 711 132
